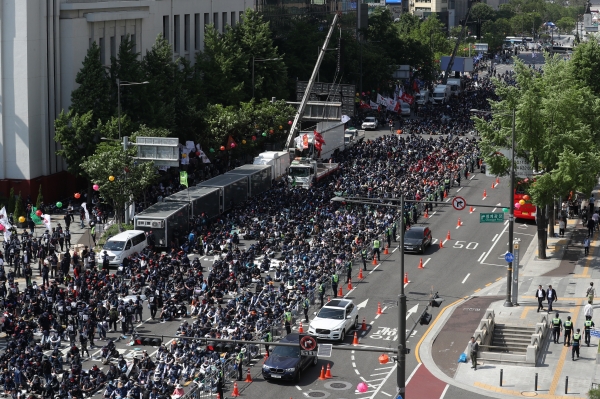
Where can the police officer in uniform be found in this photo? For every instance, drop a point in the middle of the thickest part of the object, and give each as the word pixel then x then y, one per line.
pixel 576 342
pixel 348 271
pixel 556 327
pixel 388 234
pixel 321 291
pixel 239 361
pixel 568 326
pixel 268 338
pixel 376 251
pixel 306 306
pixel 394 228
pixel 588 324
pixel 287 319
pixel 334 284
pixel 363 257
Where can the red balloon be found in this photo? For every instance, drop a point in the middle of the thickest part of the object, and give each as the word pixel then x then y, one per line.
pixel 289 122
pixel 38 212
pixel 253 138
pixel 198 153
pixel 222 148
pixel 77 195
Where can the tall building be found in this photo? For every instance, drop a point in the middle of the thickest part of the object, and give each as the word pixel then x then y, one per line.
pixel 42 47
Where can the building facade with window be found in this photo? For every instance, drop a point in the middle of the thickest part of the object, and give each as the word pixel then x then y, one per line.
pixel 42 47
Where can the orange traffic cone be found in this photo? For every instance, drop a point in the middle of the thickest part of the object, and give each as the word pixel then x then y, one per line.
pixel 322 376
pixel 426 214
pixel 471 209
pixel 445 194
pixel 349 283
pixel 448 235
pixel 484 194
pixel 248 376
pixel 493 185
pixel 235 392
pixel 421 264
pixel 218 395
pixel 364 325
pixel 328 298
pixel 497 180
pixel 441 244
pixel 340 292
pixel 459 223
pixel 328 373
pixel 405 278
pixel 374 261
pixel 360 275
pixel 266 357
pixel 355 340
pixel 386 250
pixel 301 328
pixel 379 311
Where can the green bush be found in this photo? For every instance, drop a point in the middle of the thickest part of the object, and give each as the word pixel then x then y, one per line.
pixel 111 231
pixel 19 211
pixel 594 393
pixel 10 207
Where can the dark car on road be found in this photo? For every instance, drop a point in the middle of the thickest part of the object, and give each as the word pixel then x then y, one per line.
pixel 417 239
pixel 286 362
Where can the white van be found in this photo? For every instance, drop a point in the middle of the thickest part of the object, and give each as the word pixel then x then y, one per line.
pixel 455 86
pixel 122 245
pixel 441 94
pixel 423 97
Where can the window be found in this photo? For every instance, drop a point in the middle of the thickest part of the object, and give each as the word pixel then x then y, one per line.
pixel 134 44
pixel 186 32
pixel 206 20
pixel 113 47
pixel 224 23
pixel 233 19
pixel 128 246
pixel 166 27
pixel 241 14
pixel 197 31
pixel 176 33
pixel 216 21
pixel 101 45
pixel 136 240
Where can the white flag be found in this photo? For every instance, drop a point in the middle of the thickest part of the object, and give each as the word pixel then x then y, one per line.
pixel 87 214
pixel 47 222
pixel 4 219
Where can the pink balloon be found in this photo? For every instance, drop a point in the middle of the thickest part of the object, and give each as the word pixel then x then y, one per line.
pixel 517 205
pixel 362 387
pixel 232 145
pixel 1 227
pixel 96 187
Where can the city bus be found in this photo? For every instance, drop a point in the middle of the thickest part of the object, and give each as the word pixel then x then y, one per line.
pixel 561 50
pixel 511 41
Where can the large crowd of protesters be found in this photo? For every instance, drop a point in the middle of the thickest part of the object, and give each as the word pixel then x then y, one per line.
pixel 268 257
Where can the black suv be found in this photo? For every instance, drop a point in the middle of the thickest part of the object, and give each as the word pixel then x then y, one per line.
pixel 285 362
pixel 417 239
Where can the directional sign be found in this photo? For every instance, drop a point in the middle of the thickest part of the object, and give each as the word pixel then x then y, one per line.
pixel 459 203
pixel 308 353
pixel 509 257
pixel 594 332
pixel 308 343
pixel 491 217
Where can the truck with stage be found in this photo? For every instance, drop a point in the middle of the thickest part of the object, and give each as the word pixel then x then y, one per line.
pixel 305 172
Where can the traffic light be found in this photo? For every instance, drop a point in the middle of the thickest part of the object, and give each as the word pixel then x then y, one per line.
pixel 147 341
pixel 425 319
pixel 436 301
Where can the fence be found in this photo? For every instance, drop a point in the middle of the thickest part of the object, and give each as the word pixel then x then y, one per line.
pixel 206 386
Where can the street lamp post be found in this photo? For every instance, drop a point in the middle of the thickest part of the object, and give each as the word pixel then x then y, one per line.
pixel 401 370
pixel 511 217
pixel 119 84
pixel 259 60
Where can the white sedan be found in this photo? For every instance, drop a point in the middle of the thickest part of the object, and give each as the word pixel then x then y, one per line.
pixel 370 123
pixel 334 320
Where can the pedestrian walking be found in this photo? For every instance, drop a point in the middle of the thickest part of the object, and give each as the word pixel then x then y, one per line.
pixel 590 225
pixel 591 293
pixel 568 327
pixel 586 246
pixel 473 349
pixel 556 328
pixel 588 310
pixel 551 297
pixel 576 343
pixel 540 294
pixel 561 227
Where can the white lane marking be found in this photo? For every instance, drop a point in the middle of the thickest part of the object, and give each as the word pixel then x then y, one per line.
pixel 494 210
pixel 481 257
pixel 494 244
pixel 395 249
pixel 298 388
pixel 386 394
pixel 434 212
pixel 444 242
pixel 448 200
pixel 472 177
pixel 459 189
pixel 412 374
pixel 472 210
pixel 142 323
pixel 383 368
pixel 493 239
pixel 435 240
pixel 371 272
pixel 468 274
pixel 352 358
pixel 382 311
pixel 353 364
pixel 428 259
pixel 356 371
pixel 349 292
pixel 444 391
pixel 483 199
pixel 376 374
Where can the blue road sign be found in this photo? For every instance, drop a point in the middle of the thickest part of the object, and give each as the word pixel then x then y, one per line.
pixel 509 257
pixel 595 333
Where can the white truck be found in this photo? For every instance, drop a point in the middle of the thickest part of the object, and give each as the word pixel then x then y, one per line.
pixel 441 94
pixel 353 136
pixel 423 97
pixel 455 86
pixel 305 172
pixel 333 135
pixel 279 161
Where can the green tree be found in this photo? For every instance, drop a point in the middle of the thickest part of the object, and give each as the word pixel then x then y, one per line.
pixel 557 123
pixel 482 12
pixel 78 138
pixel 127 67
pixel 585 61
pixel 19 209
pixel 566 25
pixel 131 178
pixel 40 198
pixel 93 92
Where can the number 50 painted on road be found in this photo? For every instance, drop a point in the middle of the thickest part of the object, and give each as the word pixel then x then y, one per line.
pixel 470 245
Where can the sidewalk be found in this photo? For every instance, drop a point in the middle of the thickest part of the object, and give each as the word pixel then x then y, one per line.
pixel 569 273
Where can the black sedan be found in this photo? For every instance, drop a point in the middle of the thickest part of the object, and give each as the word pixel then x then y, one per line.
pixel 285 362
pixel 417 239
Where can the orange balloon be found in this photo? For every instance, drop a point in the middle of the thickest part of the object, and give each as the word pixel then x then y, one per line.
pixel 77 195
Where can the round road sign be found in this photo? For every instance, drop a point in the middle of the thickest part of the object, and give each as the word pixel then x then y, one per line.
pixel 459 203
pixel 308 343
pixel 509 257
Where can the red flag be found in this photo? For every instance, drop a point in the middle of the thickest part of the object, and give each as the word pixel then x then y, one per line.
pixel 318 145
pixel 397 107
pixel 318 138
pixel 407 98
pixel 416 87
pixel 364 105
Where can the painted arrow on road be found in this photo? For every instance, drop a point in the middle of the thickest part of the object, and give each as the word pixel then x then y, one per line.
pixel 412 311
pixel 362 305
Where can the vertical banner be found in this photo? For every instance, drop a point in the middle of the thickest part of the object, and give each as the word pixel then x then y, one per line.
pixel 515 274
